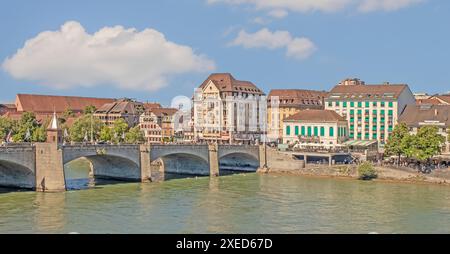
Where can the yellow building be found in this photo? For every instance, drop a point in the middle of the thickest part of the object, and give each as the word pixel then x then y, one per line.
pixel 283 103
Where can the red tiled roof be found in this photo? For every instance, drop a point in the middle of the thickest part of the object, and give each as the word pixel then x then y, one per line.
pixel 298 97
pixel 164 111
pixel 415 114
pixel 368 91
pixel 50 103
pixel 151 105
pixel 444 98
pixel 315 115
pixel 432 101
pixel 225 82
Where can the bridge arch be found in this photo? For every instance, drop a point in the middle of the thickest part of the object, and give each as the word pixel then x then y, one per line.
pixel 109 167
pixel 240 161
pixel 15 175
pixel 183 164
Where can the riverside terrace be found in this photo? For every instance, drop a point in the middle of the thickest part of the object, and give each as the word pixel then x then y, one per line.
pixel 40 166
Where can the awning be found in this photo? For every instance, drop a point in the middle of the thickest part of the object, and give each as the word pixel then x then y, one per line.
pixel 363 143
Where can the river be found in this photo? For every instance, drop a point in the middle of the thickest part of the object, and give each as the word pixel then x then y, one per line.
pixel 241 203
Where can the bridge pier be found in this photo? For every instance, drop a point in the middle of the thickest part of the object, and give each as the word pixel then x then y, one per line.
pixel 145 163
pixel 213 153
pixel 49 168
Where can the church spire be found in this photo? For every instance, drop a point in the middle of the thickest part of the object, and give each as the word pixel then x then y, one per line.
pixel 54 123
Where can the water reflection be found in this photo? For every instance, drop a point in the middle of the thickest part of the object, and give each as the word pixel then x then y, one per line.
pixel 237 203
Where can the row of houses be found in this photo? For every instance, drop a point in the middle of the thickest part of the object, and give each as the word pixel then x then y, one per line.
pixel 227 110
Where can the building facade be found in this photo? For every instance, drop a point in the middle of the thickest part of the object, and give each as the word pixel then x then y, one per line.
pixel 283 103
pixel 127 109
pixel 227 110
pixel 417 116
pixel 372 111
pixel 323 128
pixel 158 125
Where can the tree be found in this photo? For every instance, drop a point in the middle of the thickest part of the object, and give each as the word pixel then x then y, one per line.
pixel 27 123
pixel 83 126
pixel 120 127
pixel 427 143
pixel 6 125
pixel 39 134
pixel 68 113
pixel 89 109
pixel 366 171
pixel 399 141
pixel 106 134
pixel 135 135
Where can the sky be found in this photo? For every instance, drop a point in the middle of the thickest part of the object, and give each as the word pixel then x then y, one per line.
pixel 156 50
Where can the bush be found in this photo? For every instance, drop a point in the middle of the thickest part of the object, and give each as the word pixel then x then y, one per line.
pixel 366 171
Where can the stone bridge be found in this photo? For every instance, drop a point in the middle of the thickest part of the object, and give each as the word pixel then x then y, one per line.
pixel 41 166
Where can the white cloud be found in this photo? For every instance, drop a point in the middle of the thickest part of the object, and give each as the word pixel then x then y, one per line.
pixel 385 5
pixel 280 8
pixel 299 48
pixel 278 13
pixel 125 58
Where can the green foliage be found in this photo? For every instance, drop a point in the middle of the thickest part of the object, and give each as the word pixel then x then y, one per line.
pixel 6 125
pixel 135 135
pixel 106 134
pixel 427 143
pixel 83 126
pixel 39 134
pixel 68 113
pixel 366 171
pixel 399 141
pixel 120 128
pixel 89 109
pixel 26 123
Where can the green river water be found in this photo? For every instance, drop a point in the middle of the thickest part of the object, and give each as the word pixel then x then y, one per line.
pixel 242 203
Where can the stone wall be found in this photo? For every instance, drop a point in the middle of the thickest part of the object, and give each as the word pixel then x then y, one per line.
pixel 49 168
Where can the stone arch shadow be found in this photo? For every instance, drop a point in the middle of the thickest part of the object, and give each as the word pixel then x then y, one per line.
pixel 179 165
pixel 107 167
pixel 16 176
pixel 238 162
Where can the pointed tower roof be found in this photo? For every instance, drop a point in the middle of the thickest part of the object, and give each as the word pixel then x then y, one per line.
pixel 54 123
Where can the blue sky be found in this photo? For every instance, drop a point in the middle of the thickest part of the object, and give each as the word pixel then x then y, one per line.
pixel 401 44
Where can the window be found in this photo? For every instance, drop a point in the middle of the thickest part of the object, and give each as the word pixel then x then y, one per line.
pixel 344 104
pixel 322 131
pixel 309 131
pixel 337 104
pixel 316 131
pixel 296 131
pixel 331 132
pixel 359 104
pixel 383 104
pixel 374 103
pixel 330 104
pixel 352 104
pixel 288 130
pixel 391 104
pixel 391 112
pixel 303 131
pixel 367 104
pixel 352 111
pixel 339 132
pixel 359 111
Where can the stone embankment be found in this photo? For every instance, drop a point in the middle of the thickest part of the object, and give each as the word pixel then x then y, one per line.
pixel 284 163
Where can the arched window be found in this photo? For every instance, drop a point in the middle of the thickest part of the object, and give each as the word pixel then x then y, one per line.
pixel 303 131
pixel 331 132
pixel 296 131
pixel 288 130
pixel 316 131
pixel 322 131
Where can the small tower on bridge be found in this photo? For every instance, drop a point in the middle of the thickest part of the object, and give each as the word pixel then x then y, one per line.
pixel 54 133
